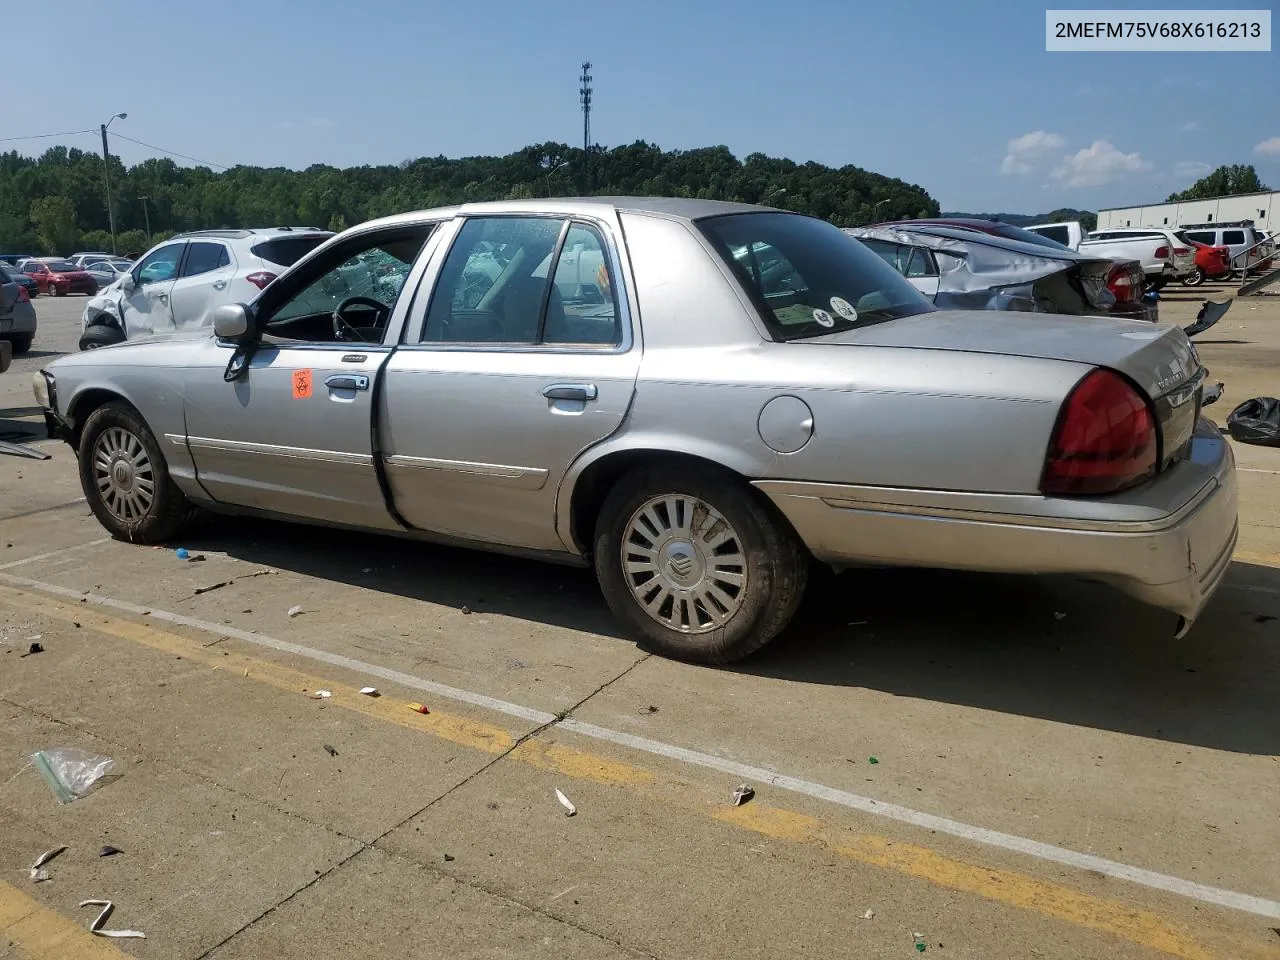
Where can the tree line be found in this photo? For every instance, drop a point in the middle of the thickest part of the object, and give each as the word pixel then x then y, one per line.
pixel 1227 181
pixel 56 203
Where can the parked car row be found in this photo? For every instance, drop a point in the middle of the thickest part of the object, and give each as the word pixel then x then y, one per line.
pixel 55 276
pixel 698 399
pixel 1170 254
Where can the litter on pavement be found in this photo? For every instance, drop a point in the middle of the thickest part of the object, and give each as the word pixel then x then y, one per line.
pixel 868 915
pixel 330 750
pixel 321 695
pixel 34 648
pixel 294 611
pixel 418 708
pixel 570 809
pixel 70 773
pixel 742 794
pixel 109 851
pixel 95 927
pixel 370 691
pixel 38 873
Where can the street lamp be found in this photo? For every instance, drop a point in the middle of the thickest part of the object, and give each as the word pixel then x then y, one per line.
pixel 773 193
pixel 563 163
pixel 106 176
pixel 876 207
pixel 146 213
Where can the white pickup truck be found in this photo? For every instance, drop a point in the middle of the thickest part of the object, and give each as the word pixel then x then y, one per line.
pixel 1163 256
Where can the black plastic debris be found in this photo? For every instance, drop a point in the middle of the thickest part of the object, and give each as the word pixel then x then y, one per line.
pixel 1256 421
pixel 109 851
pixel 34 648
pixel 330 750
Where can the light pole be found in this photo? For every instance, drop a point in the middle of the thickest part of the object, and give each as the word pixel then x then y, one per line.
pixel 564 163
pixel 147 214
pixel 773 193
pixel 876 207
pixel 106 177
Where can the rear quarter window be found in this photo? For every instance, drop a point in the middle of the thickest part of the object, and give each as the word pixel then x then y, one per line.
pixel 1230 237
pixel 286 251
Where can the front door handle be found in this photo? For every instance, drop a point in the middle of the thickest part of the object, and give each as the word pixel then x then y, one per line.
pixel 219 284
pixel 571 391
pixel 346 381
pixel 162 296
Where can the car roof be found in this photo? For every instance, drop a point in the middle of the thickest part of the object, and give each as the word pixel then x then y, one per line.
pixel 680 208
pixel 247 232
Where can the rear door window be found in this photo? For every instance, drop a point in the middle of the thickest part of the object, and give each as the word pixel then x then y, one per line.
pixel 1060 234
pixel 1202 236
pixel 203 256
pixel 1232 238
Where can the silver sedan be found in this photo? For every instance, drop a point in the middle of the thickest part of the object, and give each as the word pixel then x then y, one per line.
pixel 700 399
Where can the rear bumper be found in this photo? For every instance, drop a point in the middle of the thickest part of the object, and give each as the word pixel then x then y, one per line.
pixel 1170 551
pixel 20 320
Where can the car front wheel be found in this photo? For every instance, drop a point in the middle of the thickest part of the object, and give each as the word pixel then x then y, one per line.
pixel 1194 278
pixel 125 478
pixel 695 565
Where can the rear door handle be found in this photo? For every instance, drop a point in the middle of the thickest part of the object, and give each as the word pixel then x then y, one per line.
pixel 346 381
pixel 571 391
pixel 219 284
pixel 162 296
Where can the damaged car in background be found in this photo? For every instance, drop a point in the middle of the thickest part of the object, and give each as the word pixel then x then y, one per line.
pixel 533 384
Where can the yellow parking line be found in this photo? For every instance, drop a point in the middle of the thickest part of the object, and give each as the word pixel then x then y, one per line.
pixel 1141 927
pixel 43 934
pixel 1262 559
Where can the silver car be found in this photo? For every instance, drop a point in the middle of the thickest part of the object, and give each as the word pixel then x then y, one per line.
pixel 698 398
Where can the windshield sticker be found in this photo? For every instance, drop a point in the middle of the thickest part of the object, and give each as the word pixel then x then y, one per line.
pixel 844 308
pixel 823 319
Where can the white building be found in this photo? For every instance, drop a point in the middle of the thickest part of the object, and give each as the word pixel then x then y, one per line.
pixel 1262 208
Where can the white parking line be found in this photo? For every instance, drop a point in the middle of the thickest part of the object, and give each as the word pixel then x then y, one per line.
pixel 1254 470
pixel 54 553
pixel 955 828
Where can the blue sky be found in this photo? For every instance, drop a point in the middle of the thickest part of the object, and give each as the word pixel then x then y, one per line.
pixel 959 97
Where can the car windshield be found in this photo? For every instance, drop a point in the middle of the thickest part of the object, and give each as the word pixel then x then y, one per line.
pixel 806 277
pixel 61 266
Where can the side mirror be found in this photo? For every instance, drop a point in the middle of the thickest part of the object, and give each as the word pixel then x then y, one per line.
pixel 127 284
pixel 231 321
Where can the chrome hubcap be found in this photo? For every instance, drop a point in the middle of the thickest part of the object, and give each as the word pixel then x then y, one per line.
pixel 123 474
pixel 684 563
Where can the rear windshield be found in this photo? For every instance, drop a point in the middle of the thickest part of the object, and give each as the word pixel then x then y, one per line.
pixel 286 251
pixel 61 266
pixel 1058 234
pixel 807 278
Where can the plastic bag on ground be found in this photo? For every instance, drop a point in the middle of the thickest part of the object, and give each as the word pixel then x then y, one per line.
pixel 1256 421
pixel 71 773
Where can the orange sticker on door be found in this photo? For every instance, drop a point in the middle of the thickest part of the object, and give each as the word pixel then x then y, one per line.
pixel 301 384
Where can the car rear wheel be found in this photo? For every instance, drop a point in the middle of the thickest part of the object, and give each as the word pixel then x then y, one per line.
pixel 21 342
pixel 125 478
pixel 695 565
pixel 1194 278
pixel 60 291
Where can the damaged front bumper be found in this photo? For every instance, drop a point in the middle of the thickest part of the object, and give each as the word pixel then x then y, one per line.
pixel 1168 544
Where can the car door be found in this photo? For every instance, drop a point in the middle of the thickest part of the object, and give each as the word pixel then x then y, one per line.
pixel 922 271
pixel 293 434
pixel 523 357
pixel 205 272
pixel 144 310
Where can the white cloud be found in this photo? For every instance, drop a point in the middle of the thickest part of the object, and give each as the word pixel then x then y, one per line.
pixel 1268 148
pixel 1025 151
pixel 1186 169
pixel 1098 165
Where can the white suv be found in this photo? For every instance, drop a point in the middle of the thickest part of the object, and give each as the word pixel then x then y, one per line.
pixel 1164 257
pixel 177 284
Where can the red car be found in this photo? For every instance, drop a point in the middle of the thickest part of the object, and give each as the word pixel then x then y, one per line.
pixel 1212 263
pixel 60 277
pixel 1125 281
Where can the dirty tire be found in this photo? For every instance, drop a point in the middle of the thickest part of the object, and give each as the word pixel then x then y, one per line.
pixel 101 335
pixel 776 564
pixel 114 433
pixel 21 343
pixel 1194 278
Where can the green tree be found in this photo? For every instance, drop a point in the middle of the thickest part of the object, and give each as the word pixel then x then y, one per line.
pixel 1226 181
pixel 337 223
pixel 55 222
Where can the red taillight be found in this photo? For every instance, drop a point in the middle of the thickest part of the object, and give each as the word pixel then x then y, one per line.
pixel 1180 251
pixel 1162 253
pixel 22 295
pixel 1104 441
pixel 261 279
pixel 1124 283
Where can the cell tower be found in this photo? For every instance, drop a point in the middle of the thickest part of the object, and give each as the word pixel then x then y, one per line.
pixel 584 93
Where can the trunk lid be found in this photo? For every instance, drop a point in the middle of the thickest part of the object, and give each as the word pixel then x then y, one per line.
pixel 1159 359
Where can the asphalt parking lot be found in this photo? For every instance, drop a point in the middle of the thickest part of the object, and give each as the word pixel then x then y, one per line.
pixel 976 766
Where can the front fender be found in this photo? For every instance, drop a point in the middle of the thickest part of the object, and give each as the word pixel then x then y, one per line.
pixel 101 310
